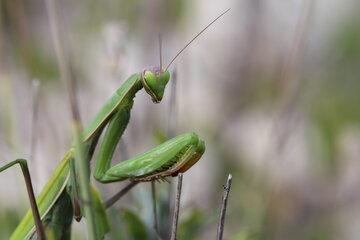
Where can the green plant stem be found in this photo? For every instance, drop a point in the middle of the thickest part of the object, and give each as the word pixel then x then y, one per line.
pixel 68 78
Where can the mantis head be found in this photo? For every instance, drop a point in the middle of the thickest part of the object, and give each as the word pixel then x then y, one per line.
pixel 154 82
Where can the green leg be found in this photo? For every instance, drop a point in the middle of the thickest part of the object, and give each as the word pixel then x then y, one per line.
pixel 168 159
pixel 29 188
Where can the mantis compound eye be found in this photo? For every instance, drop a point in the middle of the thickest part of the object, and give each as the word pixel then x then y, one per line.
pixel 154 82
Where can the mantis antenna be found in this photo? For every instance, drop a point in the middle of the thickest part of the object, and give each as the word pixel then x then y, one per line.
pixel 197 35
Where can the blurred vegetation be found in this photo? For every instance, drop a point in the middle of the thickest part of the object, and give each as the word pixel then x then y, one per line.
pixel 333 105
pixel 258 208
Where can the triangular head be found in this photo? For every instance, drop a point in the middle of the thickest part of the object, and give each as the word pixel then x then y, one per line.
pixel 154 81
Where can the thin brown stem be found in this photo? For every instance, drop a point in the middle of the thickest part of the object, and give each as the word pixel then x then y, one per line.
pixel 170 133
pixel 35 85
pixel 172 115
pixel 223 208
pixel 34 208
pixel 160 52
pixel 286 120
pixel 119 194
pixel 176 208
pixel 29 187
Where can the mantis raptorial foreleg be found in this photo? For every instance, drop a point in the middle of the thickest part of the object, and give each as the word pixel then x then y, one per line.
pixel 167 159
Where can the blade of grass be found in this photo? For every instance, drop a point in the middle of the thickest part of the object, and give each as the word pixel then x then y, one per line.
pixel 67 76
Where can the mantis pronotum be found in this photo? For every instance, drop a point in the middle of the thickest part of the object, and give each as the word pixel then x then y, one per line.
pixel 55 205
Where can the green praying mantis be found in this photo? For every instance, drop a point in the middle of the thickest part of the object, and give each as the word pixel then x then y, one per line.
pixel 58 203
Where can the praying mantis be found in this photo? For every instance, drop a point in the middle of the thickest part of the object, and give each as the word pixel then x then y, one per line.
pixel 58 203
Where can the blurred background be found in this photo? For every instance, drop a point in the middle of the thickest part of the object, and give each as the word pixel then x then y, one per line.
pixel 272 87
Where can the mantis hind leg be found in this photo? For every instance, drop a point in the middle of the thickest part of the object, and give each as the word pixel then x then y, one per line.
pixel 30 190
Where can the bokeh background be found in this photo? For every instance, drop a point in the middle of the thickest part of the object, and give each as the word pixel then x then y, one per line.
pixel 273 88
